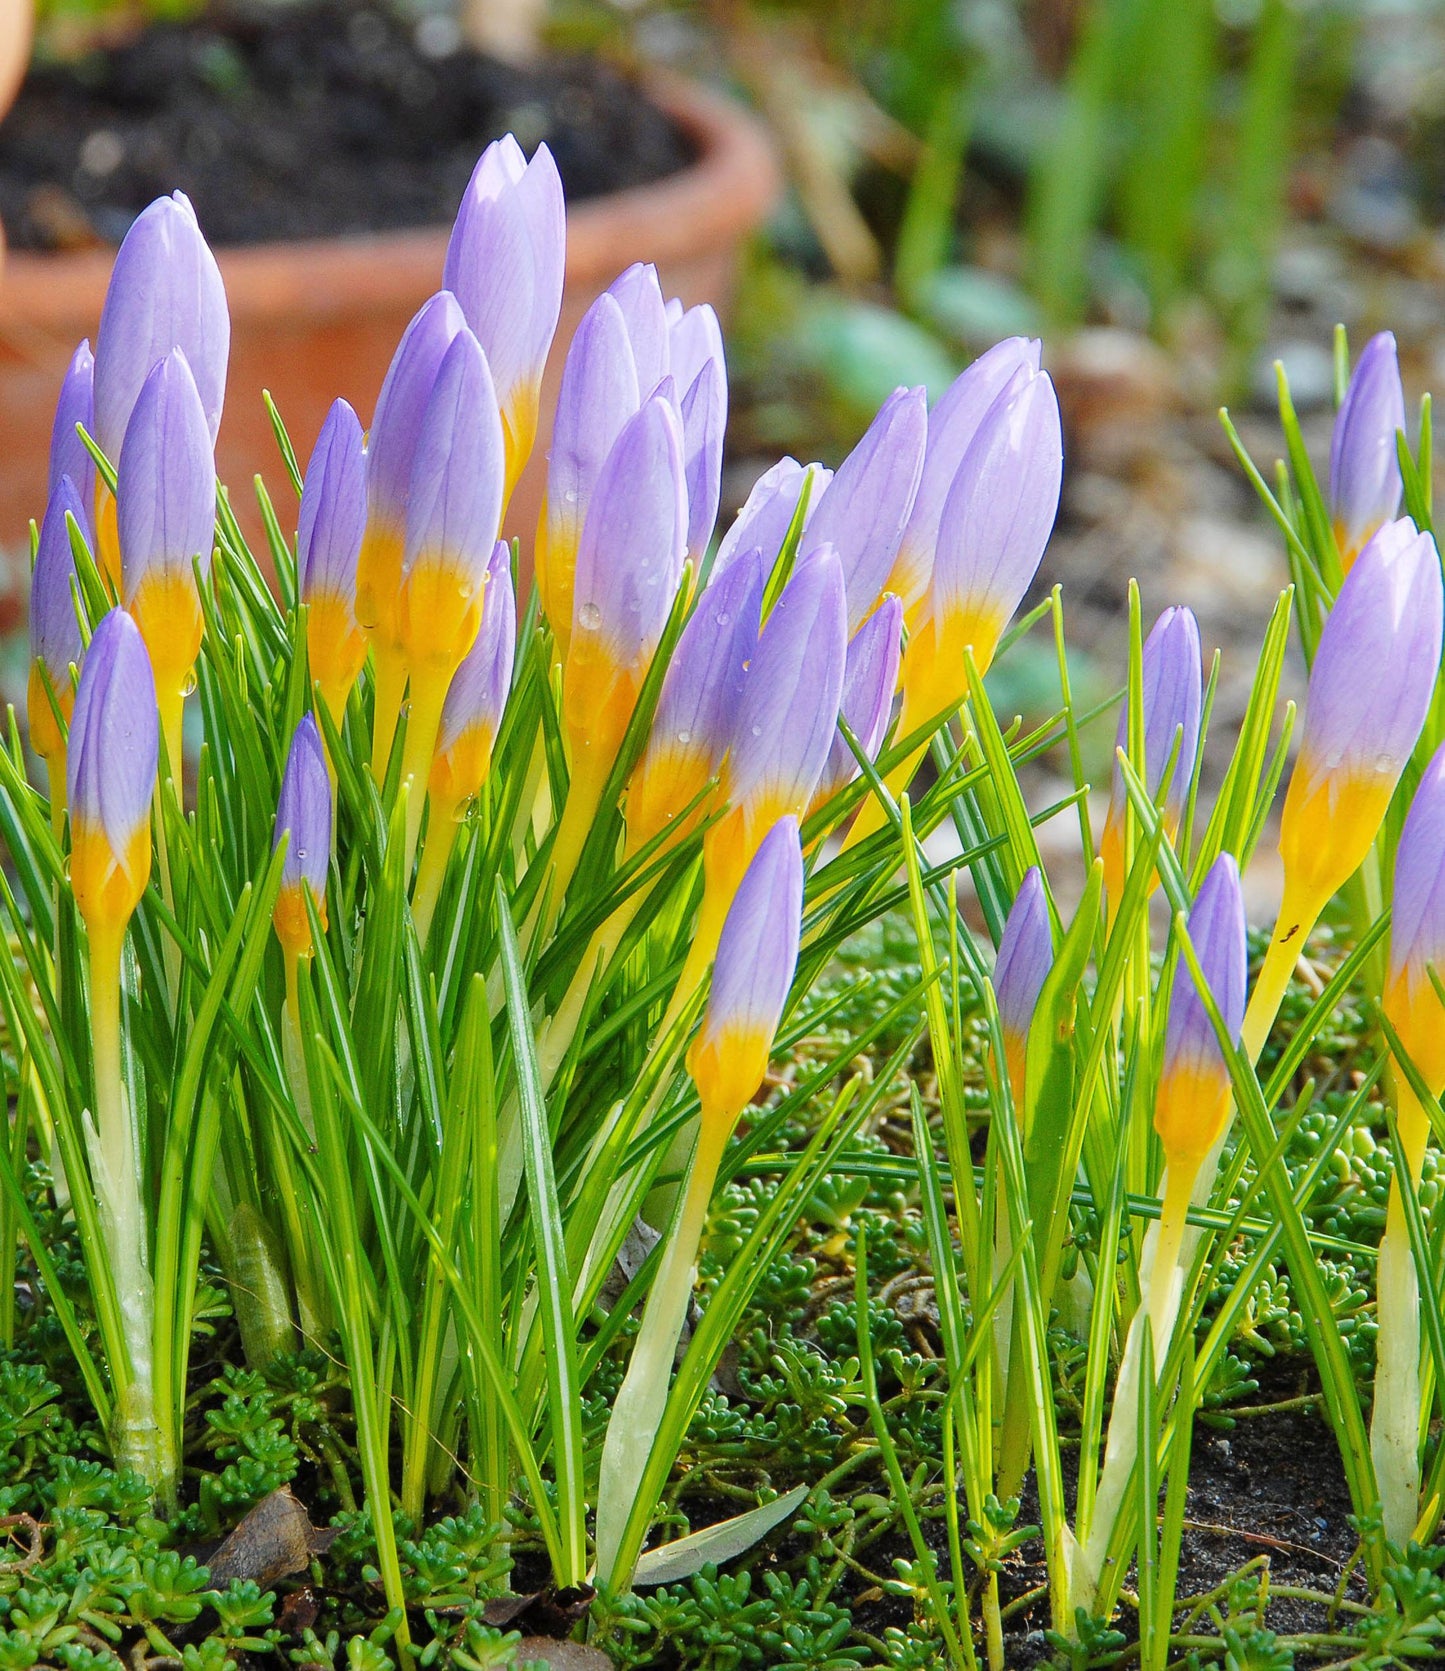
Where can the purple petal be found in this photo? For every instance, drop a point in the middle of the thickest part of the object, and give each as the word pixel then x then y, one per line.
pixel 69 455
pixel 54 630
pixel 867 505
pixel 1173 698
pixel 639 297
pixel 114 733
pixel 303 811
pixel 757 952
pixel 166 488
pixel 952 425
pixel 694 339
pixel 165 292
pixel 704 419
pixel 1217 933
pixel 870 679
pixel 789 709
pixel 391 444
pixel 333 508
pixel 1000 510
pixel 1365 485
pixel 1417 927
pixel 457 478
pixel 478 692
pixel 629 562
pixel 505 259
pixel 1377 661
pixel 1025 955
pixel 705 678
pixel 767 514
pixel 599 393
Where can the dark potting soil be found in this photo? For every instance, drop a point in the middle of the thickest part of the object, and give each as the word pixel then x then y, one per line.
pixel 294 122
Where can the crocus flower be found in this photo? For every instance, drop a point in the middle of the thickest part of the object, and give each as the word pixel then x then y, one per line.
pixel 697 706
pixel 504 264
pixel 1365 484
pixel 454 510
pixel 391 447
pixel 767 514
pixel 69 455
pixel 1194 1088
pixel 303 819
pixel 865 508
pixel 111 772
pixel 1417 929
pixel 1369 693
pixel 629 564
pixel 870 678
pixel 165 292
pixel 952 425
pixel 166 513
pixel 1025 956
pixel 785 724
pixel 638 293
pixel 756 957
pixel 1173 690
pixel 757 954
pixel 54 631
pixel 329 532
pixel 599 394
pixel 992 532
pixel 698 368
pixel 477 695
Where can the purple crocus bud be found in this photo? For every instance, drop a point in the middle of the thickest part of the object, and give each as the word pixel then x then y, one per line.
pixel 767 514
pixel 629 565
pixel 504 264
pixel 166 517
pixel 992 532
pixel 1365 485
pixel 303 818
pixel 867 505
pixel 391 448
pixel 952 425
pixel 1369 693
pixel 693 724
pixel 757 956
pixel 1417 929
pixel 69 455
pixel 870 678
pixel 694 339
pixel 704 413
pixel 599 394
pixel 477 695
pixel 329 532
pixel 1025 956
pixel 110 774
pixel 165 292
pixel 54 630
pixel 454 510
pixel 638 294
pixel 788 714
pixel 1173 688
pixel 1194 1086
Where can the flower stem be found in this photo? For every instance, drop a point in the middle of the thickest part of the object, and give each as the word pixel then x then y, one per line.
pixel 641 1401
pixel 441 839
pixel 1395 1419
pixel 388 687
pixel 428 695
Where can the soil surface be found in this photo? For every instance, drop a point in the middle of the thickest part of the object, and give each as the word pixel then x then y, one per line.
pixel 304 122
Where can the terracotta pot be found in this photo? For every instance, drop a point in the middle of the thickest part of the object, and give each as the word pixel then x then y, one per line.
pixel 313 320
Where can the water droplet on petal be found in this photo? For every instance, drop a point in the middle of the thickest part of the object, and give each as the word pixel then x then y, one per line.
pixel 684 737
pixel 757 730
pixel 589 617
pixel 723 619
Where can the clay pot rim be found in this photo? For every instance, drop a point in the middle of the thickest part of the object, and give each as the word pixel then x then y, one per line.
pixel 719 197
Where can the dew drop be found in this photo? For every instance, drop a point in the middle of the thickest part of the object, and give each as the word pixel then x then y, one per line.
pixel 757 730
pixel 570 496
pixel 684 737
pixel 723 619
pixel 188 688
pixel 589 617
